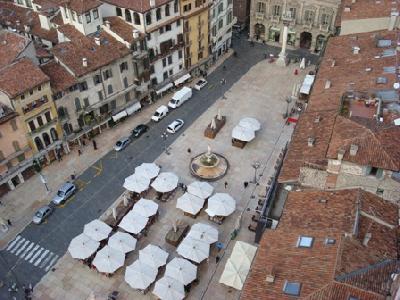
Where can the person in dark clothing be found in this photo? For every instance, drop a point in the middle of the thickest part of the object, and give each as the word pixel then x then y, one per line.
pixel 94 145
pixel 189 150
pixel 79 152
pixel 9 222
pixel 217 258
pixel 226 184
pixel 245 184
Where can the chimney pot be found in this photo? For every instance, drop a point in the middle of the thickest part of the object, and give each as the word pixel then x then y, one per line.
pixel 327 84
pixel 108 24
pixel 353 149
pixel 152 3
pixel 356 50
pixel 84 62
pixel 366 239
pixel 311 141
pixel 341 153
pixel 97 41
pixel 317 119
pixel 135 33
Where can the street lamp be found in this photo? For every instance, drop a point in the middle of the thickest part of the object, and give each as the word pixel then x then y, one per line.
pixel 256 165
pixel 288 101
pixel 164 136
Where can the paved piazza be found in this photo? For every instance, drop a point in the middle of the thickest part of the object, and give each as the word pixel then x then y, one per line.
pixel 257 94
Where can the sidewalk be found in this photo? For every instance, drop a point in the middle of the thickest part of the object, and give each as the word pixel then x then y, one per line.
pixel 19 205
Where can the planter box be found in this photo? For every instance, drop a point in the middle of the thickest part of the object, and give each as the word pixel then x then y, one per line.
pixel 239 144
pixel 212 133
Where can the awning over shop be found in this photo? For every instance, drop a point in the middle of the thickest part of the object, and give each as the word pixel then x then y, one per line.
pixel 182 79
pixel 119 116
pixel 307 84
pixel 164 88
pixel 133 108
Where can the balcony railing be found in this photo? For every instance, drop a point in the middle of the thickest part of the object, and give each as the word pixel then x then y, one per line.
pixel 35 104
pixel 259 16
pixel 324 27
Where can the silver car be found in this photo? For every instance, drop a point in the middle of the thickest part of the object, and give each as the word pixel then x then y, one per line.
pixel 122 143
pixel 41 214
pixel 66 191
pixel 175 126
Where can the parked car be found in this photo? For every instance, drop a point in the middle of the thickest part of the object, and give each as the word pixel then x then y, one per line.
pixel 139 130
pixel 63 193
pixel 122 143
pixel 200 84
pixel 160 113
pixel 175 126
pixel 42 214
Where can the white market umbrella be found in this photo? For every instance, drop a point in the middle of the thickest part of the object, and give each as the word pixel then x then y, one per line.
pixel 148 170
pixel 182 270
pixel 82 246
pixel 190 203
pixel 108 260
pixel 140 275
pixel 136 183
pixel 250 123
pixel 97 230
pixel 200 189
pixel 203 232
pixel 168 288
pixel 243 253
pixel 133 223
pixel 145 208
pixel 221 204
pixel 165 182
pixel 122 241
pixel 153 256
pixel 243 134
pixel 234 275
pixel 194 250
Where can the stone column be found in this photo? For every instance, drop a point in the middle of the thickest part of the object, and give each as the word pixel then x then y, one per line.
pixel 21 178
pixel 282 60
pixel 11 185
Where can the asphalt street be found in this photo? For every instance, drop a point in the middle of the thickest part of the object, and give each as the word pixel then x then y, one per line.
pixel 101 184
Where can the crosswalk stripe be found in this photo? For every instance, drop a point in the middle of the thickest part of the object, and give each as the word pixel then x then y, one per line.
pixel 27 249
pixel 46 260
pixel 31 253
pixel 22 248
pixel 18 244
pixel 53 261
pixel 10 245
pixel 36 254
pixel 41 257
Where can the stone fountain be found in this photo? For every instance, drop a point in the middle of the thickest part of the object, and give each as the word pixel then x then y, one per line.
pixel 209 165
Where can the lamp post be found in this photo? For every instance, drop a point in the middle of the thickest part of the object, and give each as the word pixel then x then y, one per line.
pixel 288 101
pixel 164 136
pixel 256 165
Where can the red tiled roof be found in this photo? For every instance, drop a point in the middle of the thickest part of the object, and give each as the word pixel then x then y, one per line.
pixel 341 291
pixel 11 45
pixel 334 217
pixel 378 145
pixel 20 77
pixel 81 46
pixel 60 78
pixel 366 9
pixel 136 5
pixel 122 28
pixel 82 6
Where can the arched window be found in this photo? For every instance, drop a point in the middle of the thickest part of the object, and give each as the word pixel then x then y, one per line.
pixel 62 112
pixel 54 134
pixel 148 18
pixel 46 139
pixel 128 16
pixel 78 105
pixel 136 18
pixel 67 128
pixel 39 144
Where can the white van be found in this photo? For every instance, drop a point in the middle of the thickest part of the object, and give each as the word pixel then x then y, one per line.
pixel 160 113
pixel 180 97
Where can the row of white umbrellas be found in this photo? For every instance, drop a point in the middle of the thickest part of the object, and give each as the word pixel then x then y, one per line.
pixel 245 130
pixel 140 180
pixel 136 220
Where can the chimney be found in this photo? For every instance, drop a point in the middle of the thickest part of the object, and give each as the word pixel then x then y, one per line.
pixel 353 1
pixel 353 149
pixel 340 154
pixel 108 24
pixel 135 33
pixel 152 3
pixel 366 239
pixel 393 20
pixel 327 84
pixel 270 275
pixel 333 63
pixel 311 142
pixel 356 50
pixel 84 62
pixel 97 41
pixel 317 119
pixel 27 28
pixel 18 22
pixel 347 8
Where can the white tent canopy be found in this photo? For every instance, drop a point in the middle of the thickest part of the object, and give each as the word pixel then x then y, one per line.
pixel 307 84
pixel 145 208
pixel 165 182
pixel 250 123
pixel 243 253
pixel 164 88
pixel 153 256
pixel 182 79
pixel 148 170
pixel 97 230
pixel 136 183
pixel 122 241
pixel 190 203
pixel 194 250
pixel 221 204
pixel 82 246
pixel 203 232
pixel 133 223
pixel 140 275
pixel 200 189
pixel 243 134
pixel 108 260
pixel 168 288
pixel 182 270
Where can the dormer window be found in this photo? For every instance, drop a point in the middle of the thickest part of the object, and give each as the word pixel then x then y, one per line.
pixel 80 19
pixel 305 241
pixel 292 288
pixel 95 14
pixel 88 18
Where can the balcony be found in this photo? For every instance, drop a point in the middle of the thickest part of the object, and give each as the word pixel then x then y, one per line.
pixel 289 19
pixel 43 127
pixel 259 16
pixel 308 25
pixel 275 19
pixel 35 104
pixel 324 27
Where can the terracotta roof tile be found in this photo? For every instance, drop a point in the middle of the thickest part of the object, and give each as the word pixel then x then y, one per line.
pixel 137 5
pixel 60 79
pixel 82 6
pixel 366 9
pixel 20 77
pixel 11 45
pixel 122 28
pixel 340 291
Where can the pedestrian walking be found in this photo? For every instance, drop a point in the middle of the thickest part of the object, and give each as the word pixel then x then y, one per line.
pixel 9 222
pixel 226 184
pixel 79 152
pixel 94 144
pixel 224 67
pixel 189 150
pixel 217 258
pixel 245 184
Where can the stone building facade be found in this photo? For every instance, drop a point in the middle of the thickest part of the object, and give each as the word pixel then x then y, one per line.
pixel 310 22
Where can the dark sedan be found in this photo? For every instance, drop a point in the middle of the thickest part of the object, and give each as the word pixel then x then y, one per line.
pixel 139 130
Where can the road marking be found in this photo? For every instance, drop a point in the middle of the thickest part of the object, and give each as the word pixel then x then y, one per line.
pixel 22 248
pixel 27 249
pixel 114 156
pixel 46 260
pixel 10 245
pixel 31 253
pixel 36 255
pixel 211 86
pixel 68 201
pixel 17 246
pixel 81 184
pixel 41 257
pixel 99 169
pixel 53 261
